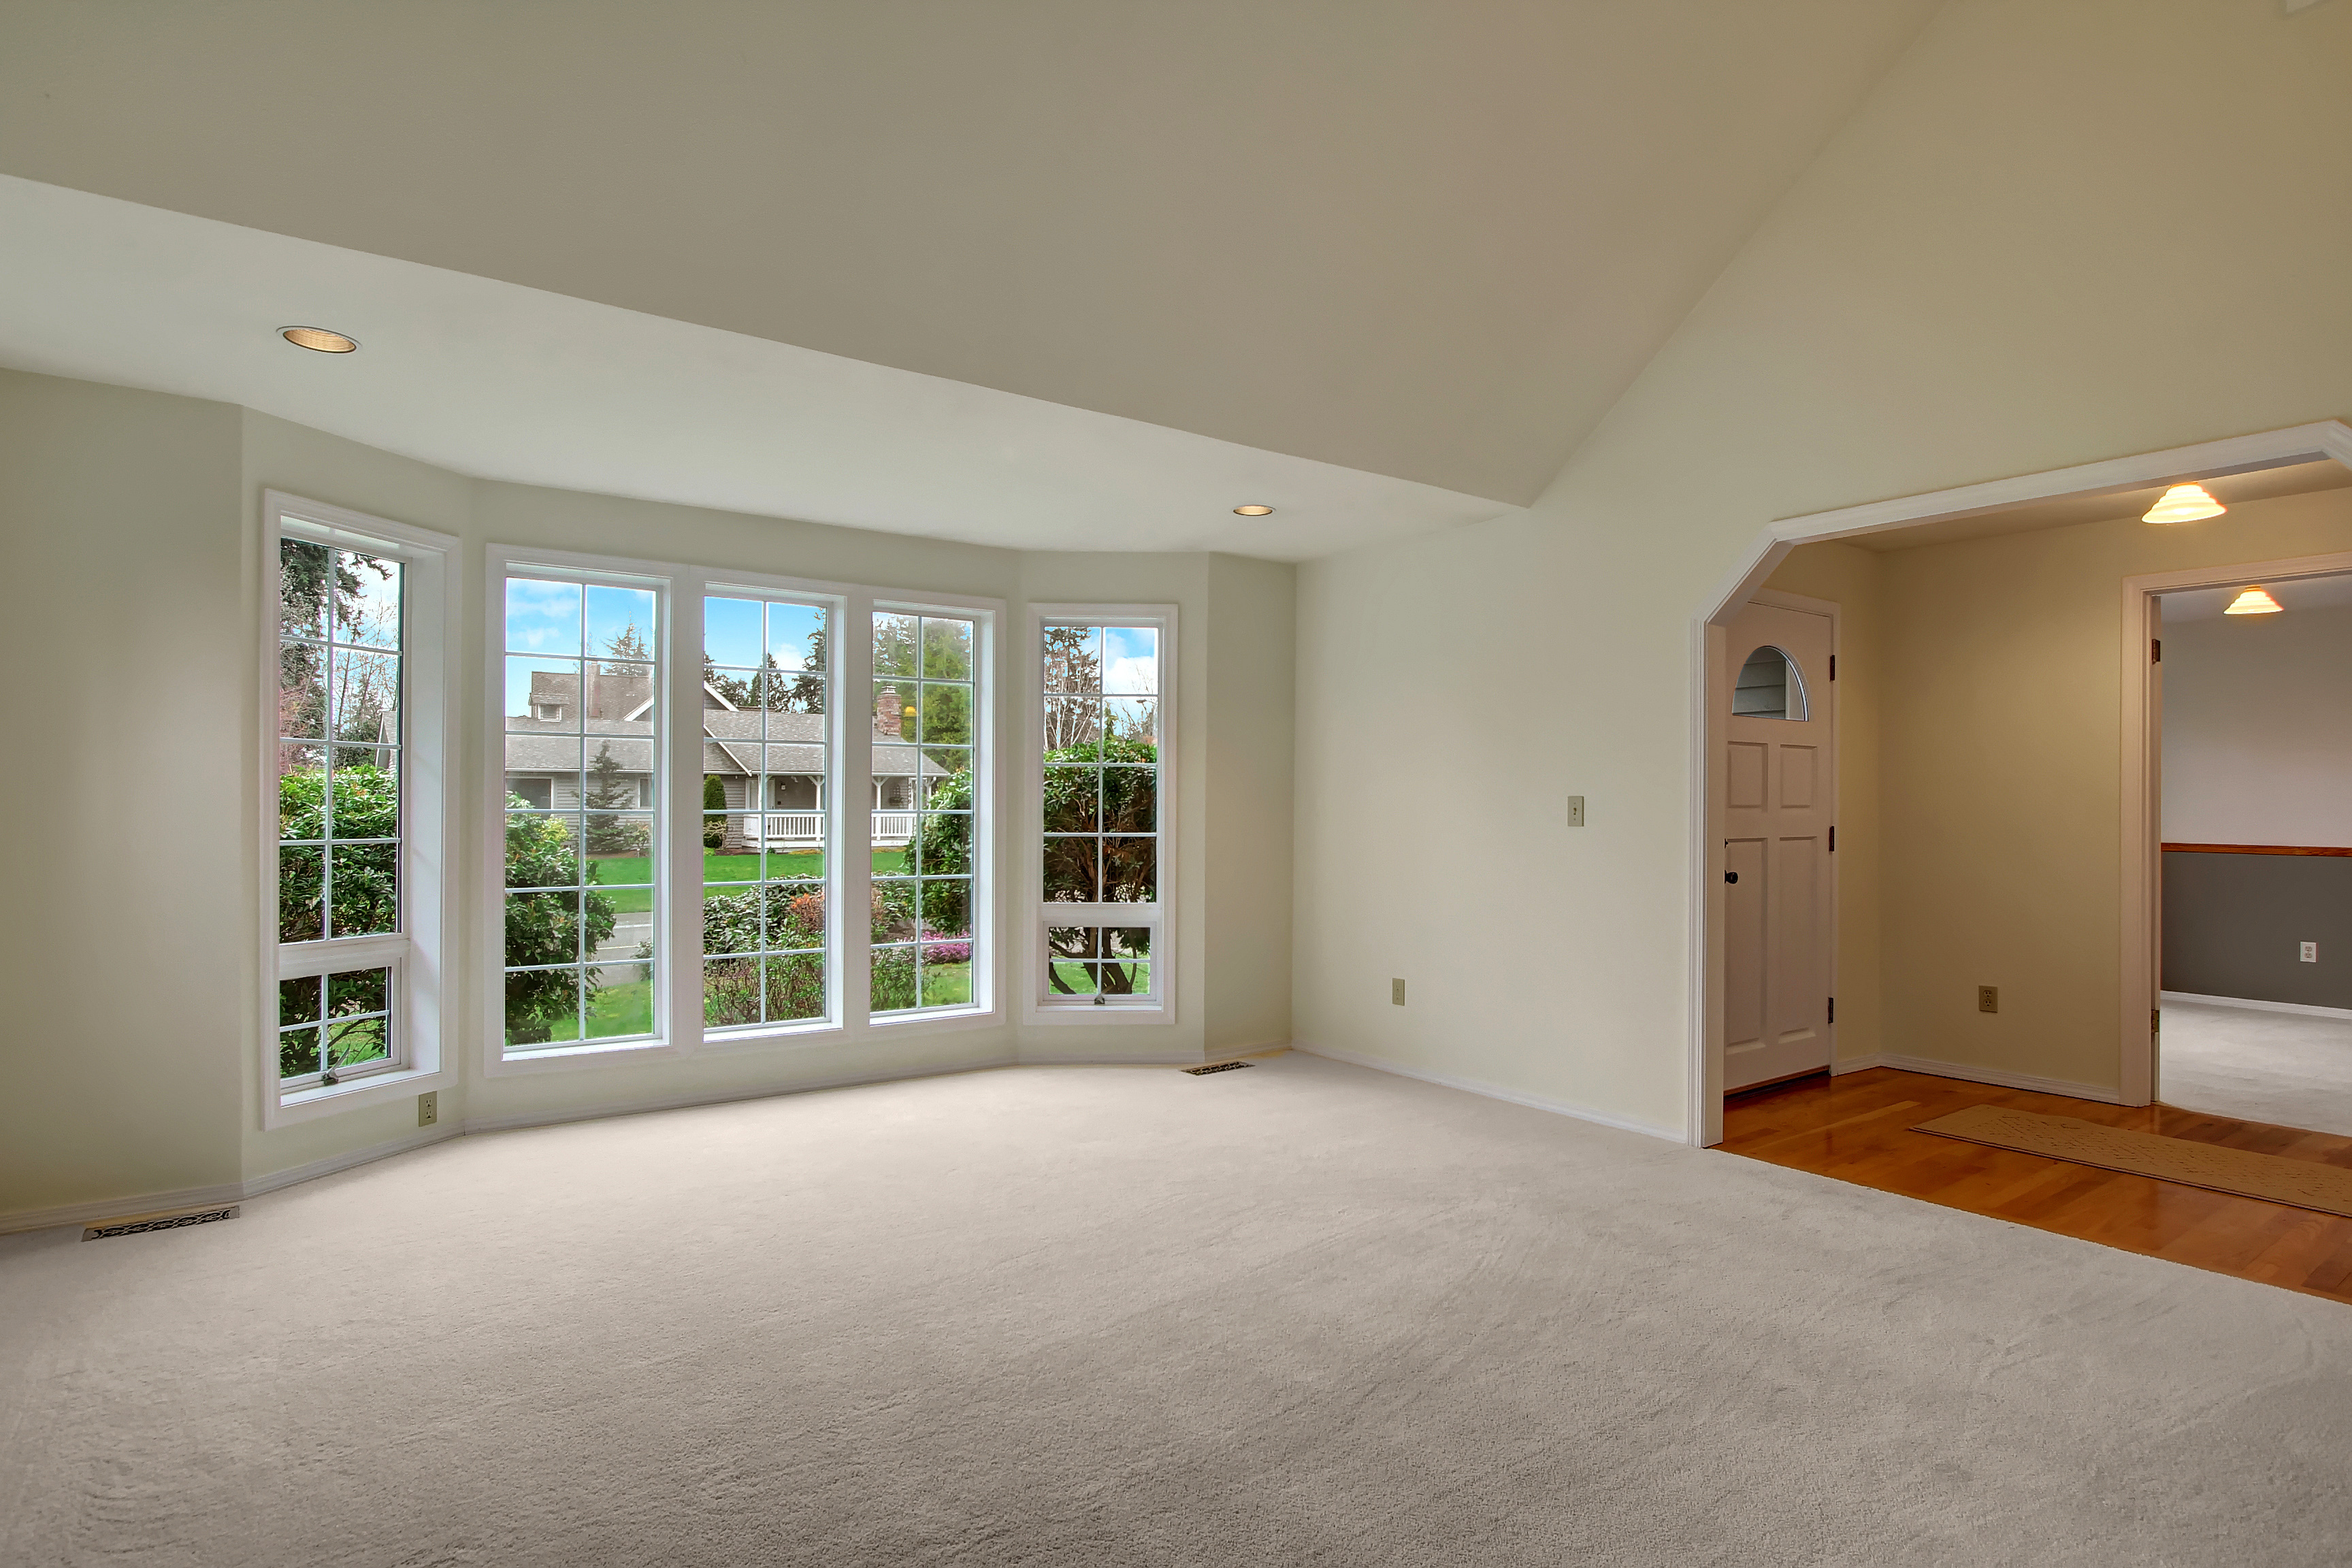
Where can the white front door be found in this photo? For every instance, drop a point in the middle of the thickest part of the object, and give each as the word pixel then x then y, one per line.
pixel 1780 790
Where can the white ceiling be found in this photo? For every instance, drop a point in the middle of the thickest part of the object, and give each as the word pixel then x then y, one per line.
pixel 2297 593
pixel 503 382
pixel 1428 241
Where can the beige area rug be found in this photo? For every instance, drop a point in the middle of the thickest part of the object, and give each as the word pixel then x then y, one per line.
pixel 1114 1317
pixel 2273 1178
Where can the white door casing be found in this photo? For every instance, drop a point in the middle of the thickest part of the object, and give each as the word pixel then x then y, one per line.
pixel 1779 799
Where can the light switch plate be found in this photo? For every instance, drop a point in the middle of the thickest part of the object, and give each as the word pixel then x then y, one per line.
pixel 1576 811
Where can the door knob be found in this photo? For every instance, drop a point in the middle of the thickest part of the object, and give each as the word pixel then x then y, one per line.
pixel 1731 875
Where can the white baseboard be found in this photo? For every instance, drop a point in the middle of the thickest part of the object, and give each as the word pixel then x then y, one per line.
pixel 2303 1008
pixel 689 1102
pixel 2001 1078
pixel 237 1192
pixel 1495 1091
pixel 256 1185
pixel 223 1192
pixel 1854 1063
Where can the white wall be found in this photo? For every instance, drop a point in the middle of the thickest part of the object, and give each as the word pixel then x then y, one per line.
pixel 2258 730
pixel 131 1067
pixel 2024 251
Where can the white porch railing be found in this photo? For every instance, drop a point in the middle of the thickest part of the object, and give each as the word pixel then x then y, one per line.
pixel 784 829
pixel 805 829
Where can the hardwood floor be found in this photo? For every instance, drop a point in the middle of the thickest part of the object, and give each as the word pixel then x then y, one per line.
pixel 1857 1128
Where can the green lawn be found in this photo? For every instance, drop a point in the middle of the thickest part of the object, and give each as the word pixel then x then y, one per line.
pixel 1080 982
pixel 615 871
pixel 617 1010
pixel 947 985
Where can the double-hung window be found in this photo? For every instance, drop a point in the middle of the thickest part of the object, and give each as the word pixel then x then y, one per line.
pixel 1102 939
pixel 355 788
pixel 583 766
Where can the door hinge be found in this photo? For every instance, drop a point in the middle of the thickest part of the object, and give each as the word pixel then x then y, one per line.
pixel 1832 1010
pixel 2156 1020
pixel 1833 667
pixel 1832 839
pixel 2155 650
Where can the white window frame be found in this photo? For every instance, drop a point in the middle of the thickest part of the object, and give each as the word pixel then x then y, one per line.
pixel 678 822
pixel 836 600
pixel 986 1006
pixel 565 565
pixel 422 996
pixel 1039 1004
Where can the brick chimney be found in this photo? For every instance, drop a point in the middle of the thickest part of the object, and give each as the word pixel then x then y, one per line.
pixel 886 717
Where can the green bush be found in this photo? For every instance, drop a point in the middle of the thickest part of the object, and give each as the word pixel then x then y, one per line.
pixel 547 927
pixel 366 805
pixel 714 798
pixel 794 985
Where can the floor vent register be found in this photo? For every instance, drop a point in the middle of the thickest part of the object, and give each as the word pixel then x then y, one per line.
pixel 139 1224
pixel 1216 1067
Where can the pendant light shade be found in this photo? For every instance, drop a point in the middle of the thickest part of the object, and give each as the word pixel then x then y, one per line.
pixel 2183 503
pixel 2253 602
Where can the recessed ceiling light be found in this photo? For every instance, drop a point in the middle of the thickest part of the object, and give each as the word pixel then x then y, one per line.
pixel 1254 510
pixel 2183 503
pixel 318 338
pixel 2253 602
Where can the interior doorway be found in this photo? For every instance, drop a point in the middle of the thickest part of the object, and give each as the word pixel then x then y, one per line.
pixel 1779 803
pixel 2254 767
pixel 2259 466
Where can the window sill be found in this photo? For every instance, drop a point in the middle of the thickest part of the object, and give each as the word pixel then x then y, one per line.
pixel 376 1088
pixel 956 1017
pixel 1109 1013
pixel 773 1035
pixel 556 1056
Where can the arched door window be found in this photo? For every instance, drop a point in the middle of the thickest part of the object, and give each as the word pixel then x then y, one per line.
pixel 1769 687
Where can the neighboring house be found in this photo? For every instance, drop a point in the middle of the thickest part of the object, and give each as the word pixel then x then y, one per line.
pixel 546 758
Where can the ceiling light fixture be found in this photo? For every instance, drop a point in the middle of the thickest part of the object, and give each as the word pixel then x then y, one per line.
pixel 1254 510
pixel 2253 602
pixel 2183 503
pixel 319 338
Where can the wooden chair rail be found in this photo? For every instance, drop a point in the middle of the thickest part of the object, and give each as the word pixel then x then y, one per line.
pixel 2255 849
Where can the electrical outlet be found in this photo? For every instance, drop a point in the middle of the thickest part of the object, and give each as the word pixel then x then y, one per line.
pixel 428 1107
pixel 2311 953
pixel 1988 998
pixel 1576 811
pixel 1396 992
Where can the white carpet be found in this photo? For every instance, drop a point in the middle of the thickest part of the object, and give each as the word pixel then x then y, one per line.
pixel 1303 1313
pixel 2287 1068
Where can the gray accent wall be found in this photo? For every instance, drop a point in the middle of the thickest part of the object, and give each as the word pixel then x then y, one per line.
pixel 2232 925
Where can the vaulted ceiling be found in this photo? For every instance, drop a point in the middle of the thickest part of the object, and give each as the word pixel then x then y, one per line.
pixel 1430 241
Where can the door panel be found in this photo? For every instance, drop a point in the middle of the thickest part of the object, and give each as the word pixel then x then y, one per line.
pixel 1797 776
pixel 1750 765
pixel 1780 798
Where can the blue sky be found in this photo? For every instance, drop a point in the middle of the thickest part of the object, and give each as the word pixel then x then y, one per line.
pixel 732 633
pixel 559 621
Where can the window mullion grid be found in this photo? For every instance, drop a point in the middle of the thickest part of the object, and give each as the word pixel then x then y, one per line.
pixel 853 857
